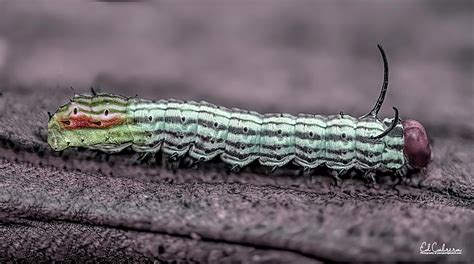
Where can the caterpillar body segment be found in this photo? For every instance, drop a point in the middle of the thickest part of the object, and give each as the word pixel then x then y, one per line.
pixel 202 131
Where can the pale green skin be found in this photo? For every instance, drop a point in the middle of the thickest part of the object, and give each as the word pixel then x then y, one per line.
pixel 307 140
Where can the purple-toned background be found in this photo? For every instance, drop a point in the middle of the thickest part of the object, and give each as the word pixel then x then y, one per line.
pixel 291 56
pixel 268 56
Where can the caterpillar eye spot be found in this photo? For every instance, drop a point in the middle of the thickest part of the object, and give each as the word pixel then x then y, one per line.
pixel 344 135
pixel 242 146
pixel 180 146
pixel 97 123
pixel 150 118
pixel 66 122
pixel 151 145
pixel 82 140
pixel 216 124
pixel 278 147
pixel 150 135
pixel 75 111
pixel 213 141
pixel 106 113
pixel 311 134
pixel 183 119
pixel 279 132
pixel 202 159
pixel 241 157
pixel 310 151
pixel 246 129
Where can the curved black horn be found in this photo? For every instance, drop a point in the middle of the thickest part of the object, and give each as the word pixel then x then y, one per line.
pixel 375 110
pixel 391 127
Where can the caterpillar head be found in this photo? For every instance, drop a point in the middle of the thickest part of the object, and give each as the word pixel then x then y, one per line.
pixel 417 149
pixel 87 121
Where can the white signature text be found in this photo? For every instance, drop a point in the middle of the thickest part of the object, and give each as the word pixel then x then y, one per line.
pixel 434 249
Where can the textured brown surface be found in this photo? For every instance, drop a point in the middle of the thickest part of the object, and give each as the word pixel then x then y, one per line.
pixel 309 57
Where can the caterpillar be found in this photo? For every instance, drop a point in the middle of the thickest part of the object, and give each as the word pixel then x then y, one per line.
pixel 202 131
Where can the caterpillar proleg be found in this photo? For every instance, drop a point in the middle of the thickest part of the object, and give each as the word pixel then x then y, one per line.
pixel 202 131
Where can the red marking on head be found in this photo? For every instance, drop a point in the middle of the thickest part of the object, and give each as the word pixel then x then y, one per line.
pixel 83 121
pixel 416 146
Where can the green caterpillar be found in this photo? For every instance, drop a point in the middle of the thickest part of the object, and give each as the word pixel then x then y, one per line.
pixel 203 131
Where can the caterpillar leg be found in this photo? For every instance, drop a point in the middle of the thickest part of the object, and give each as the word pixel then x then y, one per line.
pixel 303 170
pixel 98 156
pixel 173 165
pixel 143 157
pixel 270 169
pixel 235 168
pixel 101 156
pixel 171 162
pixel 398 177
pixel 370 177
pixel 173 157
pixel 335 174
pixel 147 158
pixel 402 171
pixel 188 162
pixel 306 171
